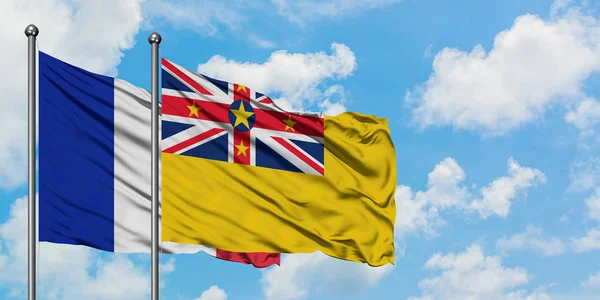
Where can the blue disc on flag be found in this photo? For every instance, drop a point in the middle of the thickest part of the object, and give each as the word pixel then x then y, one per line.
pixel 241 115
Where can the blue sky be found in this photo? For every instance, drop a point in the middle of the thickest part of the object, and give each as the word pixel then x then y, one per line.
pixel 492 107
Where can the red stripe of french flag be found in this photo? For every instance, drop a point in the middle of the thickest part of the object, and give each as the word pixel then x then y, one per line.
pixel 257 259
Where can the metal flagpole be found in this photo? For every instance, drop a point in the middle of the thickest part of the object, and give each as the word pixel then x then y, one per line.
pixel 154 39
pixel 31 32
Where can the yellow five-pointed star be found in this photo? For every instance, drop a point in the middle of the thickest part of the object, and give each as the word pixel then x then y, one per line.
pixel 241 116
pixel 241 87
pixel 289 124
pixel 241 148
pixel 193 109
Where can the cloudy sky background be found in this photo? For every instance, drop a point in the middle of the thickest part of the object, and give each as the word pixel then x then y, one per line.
pixel 492 106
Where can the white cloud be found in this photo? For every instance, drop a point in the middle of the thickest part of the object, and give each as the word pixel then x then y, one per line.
pixel 565 218
pixel 208 18
pixel 471 275
pixel 74 31
pixel 428 52
pixel 213 293
pixel 167 267
pixel 590 242
pixel 331 109
pixel 301 11
pixel 523 295
pixel 261 42
pixel 586 116
pixel 334 101
pixel 414 214
pixel 443 184
pixel 532 239
pixel 559 6
pixel 302 274
pixel 201 16
pixel 296 77
pixel 532 66
pixel 592 282
pixel 593 205
pixel 117 278
pixel 66 271
pixel 446 190
pixel 420 211
pixel 585 175
pixel 498 195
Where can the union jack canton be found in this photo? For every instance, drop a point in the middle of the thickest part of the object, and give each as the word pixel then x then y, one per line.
pixel 208 118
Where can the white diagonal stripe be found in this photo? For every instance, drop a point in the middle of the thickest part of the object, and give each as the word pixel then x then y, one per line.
pixel 252 149
pixel 261 132
pixel 204 141
pixel 217 93
pixel 192 121
pixel 293 159
pixel 186 134
pixel 230 143
pixel 187 95
pixel 304 152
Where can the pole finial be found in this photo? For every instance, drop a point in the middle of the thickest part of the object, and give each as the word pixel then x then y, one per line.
pixel 154 38
pixel 31 30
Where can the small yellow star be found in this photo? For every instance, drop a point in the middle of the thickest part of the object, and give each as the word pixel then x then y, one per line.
pixel 289 124
pixel 241 87
pixel 241 116
pixel 241 148
pixel 193 109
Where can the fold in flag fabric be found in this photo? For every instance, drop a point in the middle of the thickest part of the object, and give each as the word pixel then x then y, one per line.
pixel 94 165
pixel 240 173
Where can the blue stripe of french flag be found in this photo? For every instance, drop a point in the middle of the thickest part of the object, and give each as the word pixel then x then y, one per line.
pixel 94 164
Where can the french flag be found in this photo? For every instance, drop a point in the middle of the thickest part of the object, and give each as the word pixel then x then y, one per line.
pixel 94 165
